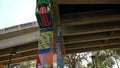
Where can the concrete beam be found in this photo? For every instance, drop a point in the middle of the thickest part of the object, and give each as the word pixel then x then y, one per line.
pixel 20 49
pixel 32 57
pixel 90 37
pixel 19 56
pixel 18 30
pixel 90 28
pixel 92 49
pixel 19 40
pixel 90 20
pixel 92 44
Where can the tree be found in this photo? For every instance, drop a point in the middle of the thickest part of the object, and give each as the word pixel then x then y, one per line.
pixel 105 58
pixel 28 64
pixel 72 59
pixel 116 55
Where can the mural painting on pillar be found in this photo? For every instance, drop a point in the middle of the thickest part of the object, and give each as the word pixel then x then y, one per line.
pixel 45 42
pixel 47 56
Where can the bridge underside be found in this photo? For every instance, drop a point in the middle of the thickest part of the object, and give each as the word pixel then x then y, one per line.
pixel 84 27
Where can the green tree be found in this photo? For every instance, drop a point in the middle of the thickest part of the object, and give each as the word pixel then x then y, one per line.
pixel 103 59
pixel 115 53
pixel 71 60
pixel 28 64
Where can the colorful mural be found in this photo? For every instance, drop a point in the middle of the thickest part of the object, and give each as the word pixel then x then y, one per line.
pixel 48 56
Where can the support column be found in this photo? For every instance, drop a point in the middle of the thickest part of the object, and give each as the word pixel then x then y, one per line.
pixel 59 53
pixel 49 48
pixel 45 56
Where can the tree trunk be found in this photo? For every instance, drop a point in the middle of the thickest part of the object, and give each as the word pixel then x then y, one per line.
pixel 110 65
pixel 73 64
pixel 96 62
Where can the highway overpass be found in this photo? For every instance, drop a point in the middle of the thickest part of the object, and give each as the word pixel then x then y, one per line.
pixel 84 26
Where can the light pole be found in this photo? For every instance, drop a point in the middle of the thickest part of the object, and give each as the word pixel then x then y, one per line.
pixel 10 57
pixel 9 60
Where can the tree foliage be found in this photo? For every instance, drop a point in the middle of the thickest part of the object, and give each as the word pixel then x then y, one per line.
pixel 71 60
pixel 102 59
pixel 28 64
pixel 105 58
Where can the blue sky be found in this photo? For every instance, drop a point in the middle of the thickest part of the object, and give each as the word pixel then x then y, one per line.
pixel 15 12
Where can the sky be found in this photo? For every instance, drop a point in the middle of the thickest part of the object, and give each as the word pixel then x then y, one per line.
pixel 15 12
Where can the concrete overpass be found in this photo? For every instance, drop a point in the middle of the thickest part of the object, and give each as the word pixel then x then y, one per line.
pixel 23 38
pixel 84 25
